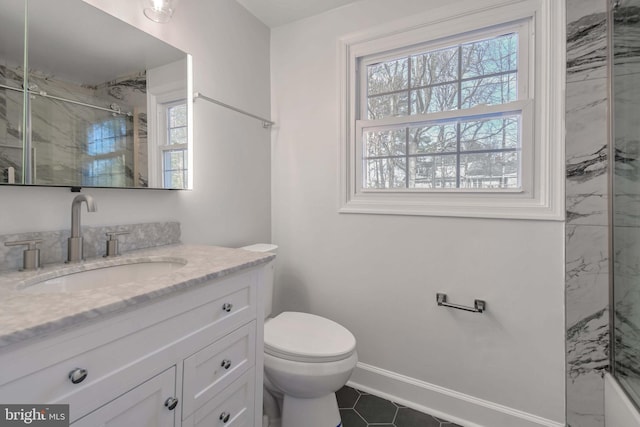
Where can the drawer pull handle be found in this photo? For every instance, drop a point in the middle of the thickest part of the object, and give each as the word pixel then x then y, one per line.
pixel 171 403
pixel 226 364
pixel 227 307
pixel 224 417
pixel 78 375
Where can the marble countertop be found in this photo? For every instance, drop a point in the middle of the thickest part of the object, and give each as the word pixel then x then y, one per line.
pixel 29 315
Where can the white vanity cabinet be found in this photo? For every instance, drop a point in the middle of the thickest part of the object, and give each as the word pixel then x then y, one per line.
pixel 138 407
pixel 230 408
pixel 201 346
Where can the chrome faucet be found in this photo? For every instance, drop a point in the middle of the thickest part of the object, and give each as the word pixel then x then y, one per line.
pixel 74 250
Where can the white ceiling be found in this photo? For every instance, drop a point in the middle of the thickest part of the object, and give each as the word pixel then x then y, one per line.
pixel 279 12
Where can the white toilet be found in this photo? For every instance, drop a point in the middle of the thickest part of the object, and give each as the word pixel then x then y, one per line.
pixel 307 358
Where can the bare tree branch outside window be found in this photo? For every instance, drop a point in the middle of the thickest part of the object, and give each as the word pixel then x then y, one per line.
pixel 482 153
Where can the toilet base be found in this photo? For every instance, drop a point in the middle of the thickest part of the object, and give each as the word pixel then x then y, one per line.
pixel 315 412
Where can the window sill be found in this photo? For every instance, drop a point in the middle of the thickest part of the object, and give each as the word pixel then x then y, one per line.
pixel 514 205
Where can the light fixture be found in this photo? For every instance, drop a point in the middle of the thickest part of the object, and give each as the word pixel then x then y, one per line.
pixel 159 10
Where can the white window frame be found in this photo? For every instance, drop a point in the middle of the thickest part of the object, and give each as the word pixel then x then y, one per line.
pixel 540 99
pixel 158 132
pixel 163 140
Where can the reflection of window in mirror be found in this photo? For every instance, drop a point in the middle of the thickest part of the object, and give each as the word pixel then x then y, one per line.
pixel 168 118
pixel 168 156
pixel 174 150
pixel 105 160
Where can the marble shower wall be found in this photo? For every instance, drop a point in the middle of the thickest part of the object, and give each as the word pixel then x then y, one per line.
pixel 10 123
pixel 587 259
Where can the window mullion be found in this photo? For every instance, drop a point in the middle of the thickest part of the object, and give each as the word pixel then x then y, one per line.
pixel 477 112
pixel 407 165
pixel 458 148
pixel 407 159
pixel 409 85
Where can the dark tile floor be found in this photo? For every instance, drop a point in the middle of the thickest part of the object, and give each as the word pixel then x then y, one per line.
pixel 360 409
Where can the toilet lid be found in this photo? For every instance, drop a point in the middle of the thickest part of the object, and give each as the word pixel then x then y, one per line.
pixel 307 338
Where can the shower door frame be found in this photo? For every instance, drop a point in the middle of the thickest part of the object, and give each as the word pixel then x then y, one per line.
pixel 611 152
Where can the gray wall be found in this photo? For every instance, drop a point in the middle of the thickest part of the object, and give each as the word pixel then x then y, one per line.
pixel 379 274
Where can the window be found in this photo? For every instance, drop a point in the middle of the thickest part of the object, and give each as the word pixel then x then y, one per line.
pixel 105 164
pixel 457 123
pixel 174 152
pixel 475 148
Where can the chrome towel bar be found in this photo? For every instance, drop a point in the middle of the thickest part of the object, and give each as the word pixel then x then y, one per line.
pixel 265 122
pixel 479 306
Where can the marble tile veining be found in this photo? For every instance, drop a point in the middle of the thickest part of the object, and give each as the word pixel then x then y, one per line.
pixel 53 248
pixel 10 123
pixel 586 114
pixel 588 346
pixel 576 9
pixel 586 43
pixel 627 303
pixel 626 33
pixel 587 319
pixel 628 338
pixel 27 315
pixel 587 272
pixel 587 152
pixel 587 360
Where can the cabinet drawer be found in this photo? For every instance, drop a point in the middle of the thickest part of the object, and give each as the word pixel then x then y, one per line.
pixel 142 406
pixel 233 407
pixel 216 366
pixel 118 366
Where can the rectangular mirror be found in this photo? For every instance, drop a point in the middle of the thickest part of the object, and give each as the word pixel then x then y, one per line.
pixel 107 105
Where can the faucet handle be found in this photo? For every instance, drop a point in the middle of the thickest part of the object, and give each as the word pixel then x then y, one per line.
pixel 31 243
pixel 113 235
pixel 112 242
pixel 31 255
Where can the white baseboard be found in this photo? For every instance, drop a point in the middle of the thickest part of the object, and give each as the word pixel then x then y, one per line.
pixel 468 411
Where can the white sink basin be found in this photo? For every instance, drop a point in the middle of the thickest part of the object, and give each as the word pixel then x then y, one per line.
pixel 102 276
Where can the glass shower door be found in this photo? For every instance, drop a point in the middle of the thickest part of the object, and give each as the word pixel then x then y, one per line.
pixel 12 30
pixel 625 79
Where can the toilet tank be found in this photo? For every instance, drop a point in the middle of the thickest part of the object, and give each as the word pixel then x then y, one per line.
pixel 268 274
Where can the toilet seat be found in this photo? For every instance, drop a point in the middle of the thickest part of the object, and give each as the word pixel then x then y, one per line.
pixel 304 337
